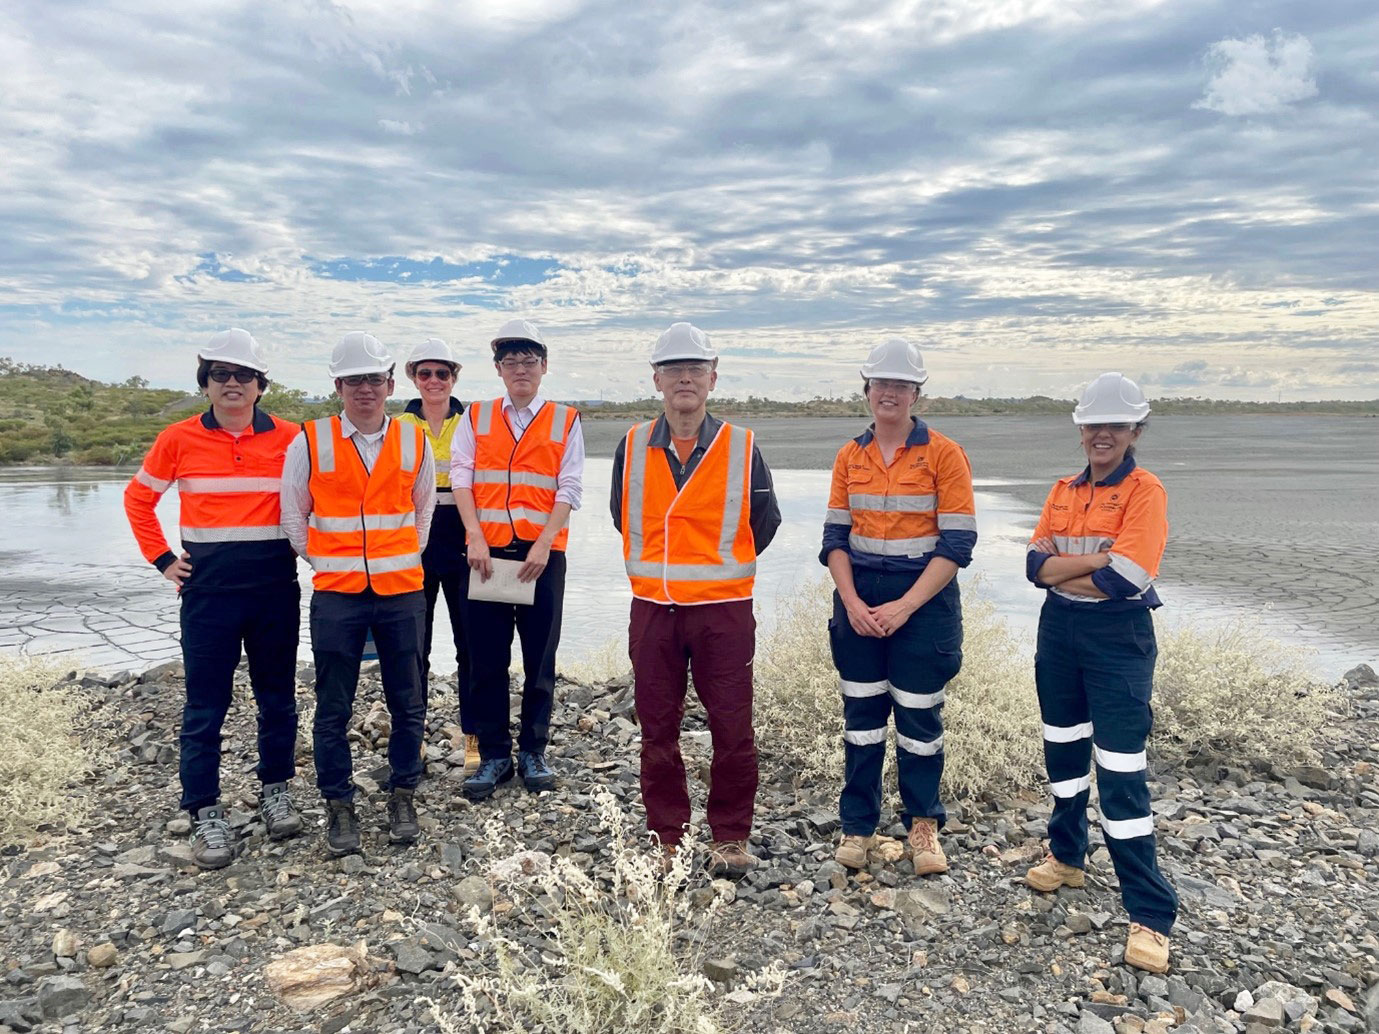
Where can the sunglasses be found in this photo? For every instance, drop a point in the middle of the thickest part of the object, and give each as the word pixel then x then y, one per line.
pixel 356 379
pixel 220 375
pixel 441 374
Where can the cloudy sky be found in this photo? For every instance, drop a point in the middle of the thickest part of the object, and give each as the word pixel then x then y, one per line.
pixel 1032 190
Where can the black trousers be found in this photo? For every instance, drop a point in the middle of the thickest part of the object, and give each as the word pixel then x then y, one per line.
pixel 214 625
pixel 339 623
pixel 489 627
pixel 455 584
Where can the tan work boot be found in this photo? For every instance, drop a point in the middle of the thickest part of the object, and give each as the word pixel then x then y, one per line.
pixel 471 754
pixel 1146 949
pixel 1050 874
pixel 730 859
pixel 854 850
pixel 926 855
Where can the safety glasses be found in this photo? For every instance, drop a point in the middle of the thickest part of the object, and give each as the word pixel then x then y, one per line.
pixel 242 376
pixel 1117 428
pixel 354 380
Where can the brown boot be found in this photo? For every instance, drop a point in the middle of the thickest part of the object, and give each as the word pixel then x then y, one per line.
pixel 471 754
pixel 854 850
pixel 1146 949
pixel 730 859
pixel 926 855
pixel 1050 874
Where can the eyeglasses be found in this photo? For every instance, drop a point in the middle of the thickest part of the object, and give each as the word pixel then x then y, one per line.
pixel 512 365
pixel 354 380
pixel 892 387
pixel 242 376
pixel 1094 428
pixel 685 369
pixel 442 373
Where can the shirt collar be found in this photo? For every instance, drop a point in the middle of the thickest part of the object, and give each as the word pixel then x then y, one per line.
pixel 260 423
pixel 348 429
pixel 1114 478
pixel 660 432
pixel 919 434
pixel 531 407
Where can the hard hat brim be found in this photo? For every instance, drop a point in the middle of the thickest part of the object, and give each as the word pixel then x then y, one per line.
pixel 213 358
pixel 355 370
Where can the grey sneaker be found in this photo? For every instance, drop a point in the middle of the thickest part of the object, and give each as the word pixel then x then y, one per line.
pixel 213 841
pixel 280 815
pixel 403 827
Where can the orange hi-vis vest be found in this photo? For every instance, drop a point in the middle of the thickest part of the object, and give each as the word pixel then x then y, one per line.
pixel 362 532
pixel 694 544
pixel 515 479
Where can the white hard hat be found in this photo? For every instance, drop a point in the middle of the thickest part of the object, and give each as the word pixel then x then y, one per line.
pixel 1111 399
pixel 682 341
pixel 358 352
pixel 432 348
pixel 897 360
pixel 234 346
pixel 518 330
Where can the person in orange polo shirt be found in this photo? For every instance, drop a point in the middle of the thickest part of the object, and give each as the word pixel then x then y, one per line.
pixel 517 472
pixel 357 495
pixel 693 499
pixel 236 577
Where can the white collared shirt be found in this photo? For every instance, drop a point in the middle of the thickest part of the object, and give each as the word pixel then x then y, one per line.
pixel 570 479
pixel 295 494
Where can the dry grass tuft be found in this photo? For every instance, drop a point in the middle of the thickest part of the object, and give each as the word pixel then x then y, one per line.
pixel 43 755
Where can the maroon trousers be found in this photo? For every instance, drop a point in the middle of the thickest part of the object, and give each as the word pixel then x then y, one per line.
pixel 715 641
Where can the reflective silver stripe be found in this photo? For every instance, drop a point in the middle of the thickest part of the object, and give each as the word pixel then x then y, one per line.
pixel 690 572
pixel 893 547
pixel 739 446
pixel 1071 787
pixel 1130 571
pixel 325 444
pixel 957 522
pixel 410 433
pixel 1081 545
pixel 336 564
pixel 445 499
pixel 515 477
pixel 1067 733
pixel 493 516
pixel 483 417
pixel 634 457
pixel 157 484
pixel 521 513
pixel 920 700
pixel 558 422
pixel 893 503
pixel 373 522
pixel 920 747
pixel 388 564
pixel 1113 762
pixel 251 533
pixel 1075 597
pixel 1128 829
pixel 863 689
pixel 193 486
pixel 838 517
pixel 864 737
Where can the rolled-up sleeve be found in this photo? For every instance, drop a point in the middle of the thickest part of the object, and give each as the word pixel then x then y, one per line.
pixel 957 509
pixel 1139 547
pixel 838 520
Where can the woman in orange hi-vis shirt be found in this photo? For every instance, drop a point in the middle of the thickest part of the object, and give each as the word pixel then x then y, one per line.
pixel 1096 550
pixel 900 523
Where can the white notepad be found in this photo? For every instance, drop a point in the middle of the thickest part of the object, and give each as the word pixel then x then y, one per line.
pixel 502 586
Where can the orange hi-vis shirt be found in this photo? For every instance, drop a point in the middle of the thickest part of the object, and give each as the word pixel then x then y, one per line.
pixel 227 487
pixel 362 531
pixel 896 515
pixel 515 479
pixel 1127 514
pixel 694 544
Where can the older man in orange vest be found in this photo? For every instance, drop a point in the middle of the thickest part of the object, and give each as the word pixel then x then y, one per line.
pixel 357 495
pixel 693 499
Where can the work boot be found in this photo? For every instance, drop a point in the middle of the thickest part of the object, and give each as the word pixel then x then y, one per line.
pixel 403 827
pixel 213 841
pixel 471 754
pixel 1050 874
pixel 1146 949
pixel 342 833
pixel 854 850
pixel 926 854
pixel 730 859
pixel 280 815
pixel 536 774
pixel 490 774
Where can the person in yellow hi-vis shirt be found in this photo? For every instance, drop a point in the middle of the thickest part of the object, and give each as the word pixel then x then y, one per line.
pixel 433 368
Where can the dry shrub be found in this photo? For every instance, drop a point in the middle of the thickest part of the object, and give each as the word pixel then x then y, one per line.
pixel 42 756
pixel 991 717
pixel 610 961
pixel 604 663
pixel 1232 691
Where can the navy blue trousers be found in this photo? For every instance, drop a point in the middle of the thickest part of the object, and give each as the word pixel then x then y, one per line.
pixel 214 626
pixel 904 673
pixel 454 582
pixel 340 621
pixel 1094 671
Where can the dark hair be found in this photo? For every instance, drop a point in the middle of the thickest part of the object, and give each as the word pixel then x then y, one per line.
pixel 203 374
pixel 517 346
pixel 1130 449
